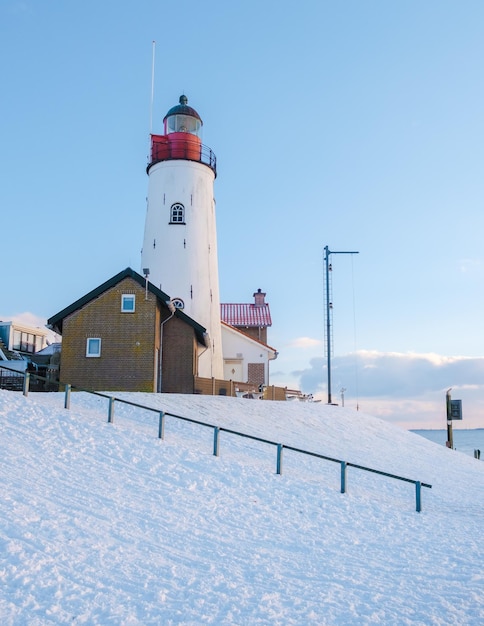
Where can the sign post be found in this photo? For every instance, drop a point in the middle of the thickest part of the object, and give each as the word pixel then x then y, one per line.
pixel 454 412
pixel 450 437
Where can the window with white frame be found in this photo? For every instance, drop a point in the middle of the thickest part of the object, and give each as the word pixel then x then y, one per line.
pixel 93 346
pixel 177 214
pixel 128 302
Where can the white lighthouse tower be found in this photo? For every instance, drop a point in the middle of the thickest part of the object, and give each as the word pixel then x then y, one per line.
pixel 180 239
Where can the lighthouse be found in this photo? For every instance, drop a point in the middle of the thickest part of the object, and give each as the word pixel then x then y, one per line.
pixel 179 252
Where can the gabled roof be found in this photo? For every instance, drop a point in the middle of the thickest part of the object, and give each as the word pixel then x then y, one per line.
pixel 246 315
pixel 56 321
pixel 248 339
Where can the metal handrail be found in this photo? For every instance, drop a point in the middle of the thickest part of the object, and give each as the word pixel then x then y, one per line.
pixel 218 429
pixel 185 151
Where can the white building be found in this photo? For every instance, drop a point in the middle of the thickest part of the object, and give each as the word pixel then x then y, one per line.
pixel 180 241
pixel 18 342
pixel 179 253
pixel 245 359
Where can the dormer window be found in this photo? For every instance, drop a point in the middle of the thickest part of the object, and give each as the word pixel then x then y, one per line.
pixel 177 214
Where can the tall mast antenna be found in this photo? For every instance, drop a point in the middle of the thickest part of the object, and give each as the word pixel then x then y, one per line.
pixel 329 305
pixel 153 45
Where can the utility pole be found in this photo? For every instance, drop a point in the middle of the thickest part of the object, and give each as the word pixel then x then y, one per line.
pixel 327 253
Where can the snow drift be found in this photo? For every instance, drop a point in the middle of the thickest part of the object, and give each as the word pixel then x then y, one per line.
pixel 107 524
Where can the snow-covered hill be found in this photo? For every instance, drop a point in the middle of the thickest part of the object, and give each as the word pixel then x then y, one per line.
pixel 107 524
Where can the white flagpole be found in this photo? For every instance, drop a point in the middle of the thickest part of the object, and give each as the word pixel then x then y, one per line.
pixel 152 85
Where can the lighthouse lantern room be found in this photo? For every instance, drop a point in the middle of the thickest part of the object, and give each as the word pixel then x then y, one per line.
pixel 180 239
pixel 183 119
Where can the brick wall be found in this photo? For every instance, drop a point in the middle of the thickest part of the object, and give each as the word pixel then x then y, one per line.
pixel 255 374
pixel 178 357
pixel 128 342
pixel 255 332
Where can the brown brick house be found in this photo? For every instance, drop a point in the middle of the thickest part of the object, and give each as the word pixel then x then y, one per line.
pixel 127 335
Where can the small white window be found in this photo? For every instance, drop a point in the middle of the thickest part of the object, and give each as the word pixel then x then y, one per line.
pixel 128 301
pixel 93 346
pixel 178 303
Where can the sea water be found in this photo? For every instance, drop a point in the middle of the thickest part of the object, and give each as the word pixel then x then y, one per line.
pixel 465 440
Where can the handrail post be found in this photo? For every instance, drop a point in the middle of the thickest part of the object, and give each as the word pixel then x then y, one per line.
pixel 344 467
pixel 280 448
pixel 216 441
pixel 161 426
pixel 418 495
pixel 26 383
pixel 111 410
pixel 67 397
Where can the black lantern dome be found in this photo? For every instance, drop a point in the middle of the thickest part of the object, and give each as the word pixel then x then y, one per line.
pixel 182 119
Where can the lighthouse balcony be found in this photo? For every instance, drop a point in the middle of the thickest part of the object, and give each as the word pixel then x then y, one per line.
pixel 181 146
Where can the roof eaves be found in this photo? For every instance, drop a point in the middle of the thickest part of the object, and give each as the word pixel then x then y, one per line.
pixel 55 322
pixel 200 331
pixel 248 337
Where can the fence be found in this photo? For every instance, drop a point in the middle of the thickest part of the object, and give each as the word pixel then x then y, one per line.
pixel 344 465
pixel 14 380
pixel 219 387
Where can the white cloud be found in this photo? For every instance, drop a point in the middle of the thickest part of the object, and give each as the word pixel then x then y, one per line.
pixel 30 319
pixel 304 342
pixel 470 265
pixel 407 388
pixel 27 318
pixel 432 357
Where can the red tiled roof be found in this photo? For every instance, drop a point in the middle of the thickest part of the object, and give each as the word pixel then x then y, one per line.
pixel 246 315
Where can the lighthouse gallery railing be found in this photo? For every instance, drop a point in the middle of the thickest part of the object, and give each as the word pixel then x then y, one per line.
pixel 185 150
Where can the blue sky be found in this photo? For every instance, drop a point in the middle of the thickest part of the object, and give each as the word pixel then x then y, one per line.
pixel 356 125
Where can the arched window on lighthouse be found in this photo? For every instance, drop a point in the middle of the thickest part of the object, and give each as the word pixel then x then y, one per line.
pixel 177 214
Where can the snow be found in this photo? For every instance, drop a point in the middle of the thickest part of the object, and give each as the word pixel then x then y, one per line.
pixel 107 524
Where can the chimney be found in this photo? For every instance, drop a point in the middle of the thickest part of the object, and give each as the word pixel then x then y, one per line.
pixel 259 298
